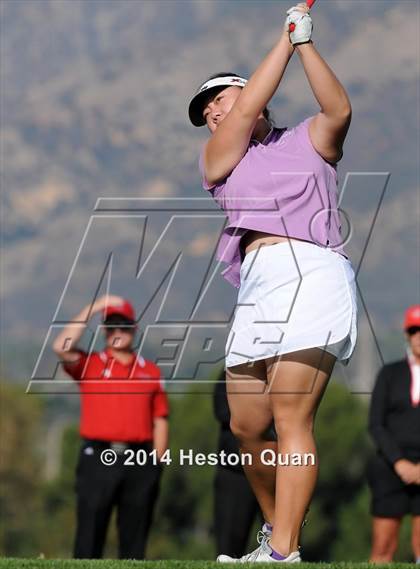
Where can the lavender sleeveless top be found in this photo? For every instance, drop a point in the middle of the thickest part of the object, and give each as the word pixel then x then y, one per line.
pixel 281 186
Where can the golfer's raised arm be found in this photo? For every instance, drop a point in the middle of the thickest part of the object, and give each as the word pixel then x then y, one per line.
pixel 229 142
pixel 329 128
pixel 265 80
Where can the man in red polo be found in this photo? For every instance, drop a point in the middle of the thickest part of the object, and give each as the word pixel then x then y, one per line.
pixel 124 427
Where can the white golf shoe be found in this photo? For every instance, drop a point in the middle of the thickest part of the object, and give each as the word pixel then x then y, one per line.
pixel 263 535
pixel 262 553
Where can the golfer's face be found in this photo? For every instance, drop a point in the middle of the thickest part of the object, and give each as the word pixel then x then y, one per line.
pixel 217 106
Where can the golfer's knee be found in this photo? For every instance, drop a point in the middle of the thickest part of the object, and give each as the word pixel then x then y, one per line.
pixel 288 425
pixel 244 431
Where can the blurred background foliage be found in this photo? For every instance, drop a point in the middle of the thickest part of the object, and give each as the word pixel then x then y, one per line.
pixel 38 517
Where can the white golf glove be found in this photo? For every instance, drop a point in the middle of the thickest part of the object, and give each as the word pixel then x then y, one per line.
pixel 302 23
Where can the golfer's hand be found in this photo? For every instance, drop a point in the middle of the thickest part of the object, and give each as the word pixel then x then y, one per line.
pixel 298 17
pixel 407 471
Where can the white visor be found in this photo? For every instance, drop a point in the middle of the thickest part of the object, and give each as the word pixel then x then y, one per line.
pixel 195 109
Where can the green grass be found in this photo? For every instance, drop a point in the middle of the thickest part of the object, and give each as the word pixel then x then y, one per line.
pixel 10 563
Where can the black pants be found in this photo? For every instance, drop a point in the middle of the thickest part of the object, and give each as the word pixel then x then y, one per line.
pixel 132 489
pixel 235 508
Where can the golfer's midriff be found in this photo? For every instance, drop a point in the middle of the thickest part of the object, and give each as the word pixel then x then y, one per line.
pixel 254 239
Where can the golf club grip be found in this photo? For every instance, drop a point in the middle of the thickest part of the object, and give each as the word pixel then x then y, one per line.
pixel 310 3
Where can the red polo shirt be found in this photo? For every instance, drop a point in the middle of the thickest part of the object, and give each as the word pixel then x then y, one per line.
pixel 118 401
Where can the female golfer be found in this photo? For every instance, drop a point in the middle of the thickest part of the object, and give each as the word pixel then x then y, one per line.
pixel 297 311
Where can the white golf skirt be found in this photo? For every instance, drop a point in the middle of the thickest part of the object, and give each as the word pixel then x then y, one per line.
pixel 293 295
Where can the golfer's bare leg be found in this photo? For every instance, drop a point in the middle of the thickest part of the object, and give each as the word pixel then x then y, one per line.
pixel 250 418
pixel 297 382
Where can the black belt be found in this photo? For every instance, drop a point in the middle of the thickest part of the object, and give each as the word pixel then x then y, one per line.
pixel 119 446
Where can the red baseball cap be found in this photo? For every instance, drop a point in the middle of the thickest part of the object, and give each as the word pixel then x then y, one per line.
pixel 125 309
pixel 412 316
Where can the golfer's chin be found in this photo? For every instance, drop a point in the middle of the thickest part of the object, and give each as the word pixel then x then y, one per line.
pixel 212 128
